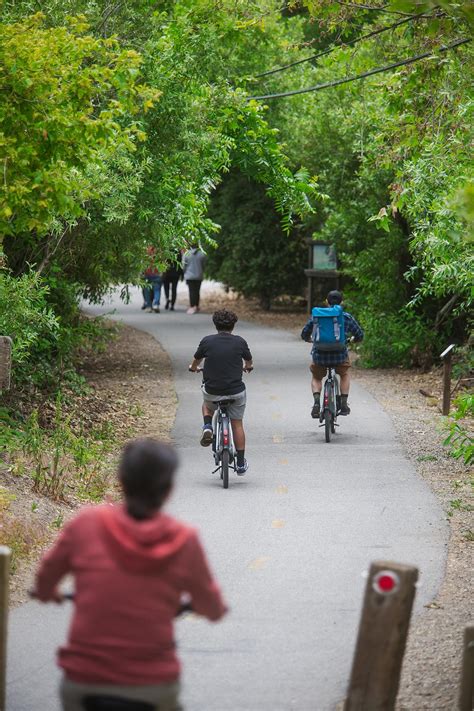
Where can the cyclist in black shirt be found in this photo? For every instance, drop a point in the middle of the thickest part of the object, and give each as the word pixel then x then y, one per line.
pixel 226 357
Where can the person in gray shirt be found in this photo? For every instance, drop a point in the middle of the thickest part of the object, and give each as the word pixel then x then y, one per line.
pixel 193 266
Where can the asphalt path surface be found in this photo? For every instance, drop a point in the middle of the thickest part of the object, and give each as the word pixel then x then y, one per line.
pixel 289 542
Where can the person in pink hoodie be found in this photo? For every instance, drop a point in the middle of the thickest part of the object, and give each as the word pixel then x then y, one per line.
pixel 132 566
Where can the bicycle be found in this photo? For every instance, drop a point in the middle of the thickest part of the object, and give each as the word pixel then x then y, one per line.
pixel 331 403
pixel 223 448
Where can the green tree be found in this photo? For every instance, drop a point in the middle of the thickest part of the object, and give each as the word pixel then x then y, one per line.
pixel 253 254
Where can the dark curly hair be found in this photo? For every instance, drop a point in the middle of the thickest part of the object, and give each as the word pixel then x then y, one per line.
pixel 224 320
pixel 146 472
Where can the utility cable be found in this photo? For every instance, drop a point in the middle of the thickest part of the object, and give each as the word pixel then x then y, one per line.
pixel 340 43
pixel 338 82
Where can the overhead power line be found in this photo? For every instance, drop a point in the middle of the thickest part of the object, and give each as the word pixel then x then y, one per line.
pixel 379 70
pixel 341 43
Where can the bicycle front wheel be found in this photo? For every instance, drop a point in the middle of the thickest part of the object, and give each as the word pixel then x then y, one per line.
pixel 327 425
pixel 225 468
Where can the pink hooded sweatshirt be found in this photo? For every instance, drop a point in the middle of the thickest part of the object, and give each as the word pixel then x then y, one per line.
pixel 129 579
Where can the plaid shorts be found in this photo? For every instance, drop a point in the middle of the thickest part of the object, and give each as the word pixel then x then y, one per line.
pixel 319 371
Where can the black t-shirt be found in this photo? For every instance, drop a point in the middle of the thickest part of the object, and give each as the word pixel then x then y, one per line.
pixel 223 366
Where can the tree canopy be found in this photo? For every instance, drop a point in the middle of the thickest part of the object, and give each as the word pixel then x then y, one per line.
pixel 118 122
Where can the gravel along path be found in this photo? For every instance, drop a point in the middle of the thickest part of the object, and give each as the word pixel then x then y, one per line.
pixel 432 664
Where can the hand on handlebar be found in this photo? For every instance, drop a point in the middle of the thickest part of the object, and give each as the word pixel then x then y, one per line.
pixel 57 596
pixel 248 369
pixel 194 370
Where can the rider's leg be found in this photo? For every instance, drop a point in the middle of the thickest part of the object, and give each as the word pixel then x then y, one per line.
pixel 317 374
pixel 343 371
pixel 239 436
pixel 206 436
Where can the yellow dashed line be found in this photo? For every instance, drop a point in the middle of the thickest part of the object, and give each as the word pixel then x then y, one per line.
pixel 278 523
pixel 258 563
pixel 281 489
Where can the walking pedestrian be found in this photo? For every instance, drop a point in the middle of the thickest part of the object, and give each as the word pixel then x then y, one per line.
pixel 172 275
pixel 193 266
pixel 152 275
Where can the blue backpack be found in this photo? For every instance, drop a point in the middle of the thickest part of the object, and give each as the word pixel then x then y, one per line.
pixel 328 328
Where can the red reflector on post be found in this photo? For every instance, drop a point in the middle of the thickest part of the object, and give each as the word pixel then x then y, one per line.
pixel 386 582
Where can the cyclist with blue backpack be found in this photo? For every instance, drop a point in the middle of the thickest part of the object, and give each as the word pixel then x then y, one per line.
pixel 328 329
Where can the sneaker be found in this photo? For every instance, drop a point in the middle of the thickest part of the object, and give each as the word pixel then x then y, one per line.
pixel 156 309
pixel 206 437
pixel 316 411
pixel 149 310
pixel 143 307
pixel 240 470
pixel 191 310
pixel 167 305
pixel 172 307
pixel 345 410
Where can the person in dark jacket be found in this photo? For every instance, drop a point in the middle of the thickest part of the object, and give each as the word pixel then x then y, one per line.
pixel 171 277
pixel 132 565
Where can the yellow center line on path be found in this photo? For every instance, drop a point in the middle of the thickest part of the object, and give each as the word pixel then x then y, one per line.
pixel 282 489
pixel 274 397
pixel 259 563
pixel 276 416
pixel 277 439
pixel 278 523
pixel 283 461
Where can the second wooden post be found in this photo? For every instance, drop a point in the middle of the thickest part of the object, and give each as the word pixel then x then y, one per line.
pixel 5 554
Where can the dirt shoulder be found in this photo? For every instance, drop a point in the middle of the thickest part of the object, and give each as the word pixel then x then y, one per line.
pixel 130 394
pixel 430 679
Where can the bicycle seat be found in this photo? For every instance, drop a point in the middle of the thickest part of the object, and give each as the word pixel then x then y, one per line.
pixel 114 703
pixel 224 403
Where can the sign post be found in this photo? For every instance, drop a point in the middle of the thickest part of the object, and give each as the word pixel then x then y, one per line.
pixel 446 357
pixel 381 641
pixel 5 555
pixel 322 272
pixel 466 698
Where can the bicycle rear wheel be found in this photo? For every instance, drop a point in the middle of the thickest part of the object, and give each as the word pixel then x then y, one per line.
pixel 327 425
pixel 225 468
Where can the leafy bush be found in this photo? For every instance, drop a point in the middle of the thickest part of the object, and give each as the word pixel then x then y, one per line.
pixel 27 318
pixel 393 340
pixel 460 437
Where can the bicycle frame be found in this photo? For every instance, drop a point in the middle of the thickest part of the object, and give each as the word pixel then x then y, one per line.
pixel 223 443
pixel 329 407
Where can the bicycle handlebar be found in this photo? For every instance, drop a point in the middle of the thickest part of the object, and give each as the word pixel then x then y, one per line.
pixel 199 370
pixel 183 608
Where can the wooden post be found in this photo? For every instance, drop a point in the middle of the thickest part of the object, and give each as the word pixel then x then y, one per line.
pixel 446 356
pixel 5 362
pixel 382 637
pixel 5 555
pixel 466 696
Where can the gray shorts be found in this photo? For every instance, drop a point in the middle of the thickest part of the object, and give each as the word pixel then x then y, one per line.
pixel 236 409
pixel 163 697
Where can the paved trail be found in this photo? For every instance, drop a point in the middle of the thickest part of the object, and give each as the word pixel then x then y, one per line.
pixel 289 541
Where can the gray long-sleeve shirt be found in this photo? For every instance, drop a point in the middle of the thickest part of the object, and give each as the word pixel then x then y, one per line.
pixel 193 264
